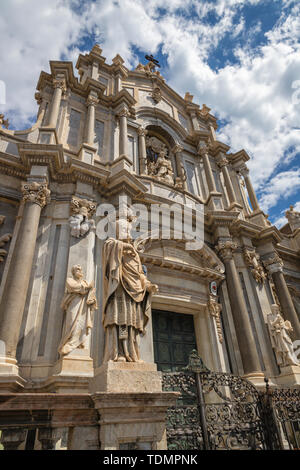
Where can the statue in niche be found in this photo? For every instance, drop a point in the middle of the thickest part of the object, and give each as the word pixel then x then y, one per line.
pixel 127 296
pixel 158 164
pixel 280 330
pixel 80 219
pixel 78 304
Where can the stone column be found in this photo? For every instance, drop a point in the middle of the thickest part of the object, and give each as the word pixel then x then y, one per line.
pixel 142 132
pixel 179 165
pixel 240 314
pixel 35 197
pixel 230 191
pixel 91 102
pixel 252 196
pixel 123 131
pixel 203 151
pixel 59 87
pixel 274 266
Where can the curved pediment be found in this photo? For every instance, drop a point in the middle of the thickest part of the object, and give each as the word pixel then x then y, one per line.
pixel 173 254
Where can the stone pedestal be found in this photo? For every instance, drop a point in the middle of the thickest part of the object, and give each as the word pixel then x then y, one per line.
pixel 126 377
pixel 136 419
pixel 10 380
pixel 289 376
pixel 71 374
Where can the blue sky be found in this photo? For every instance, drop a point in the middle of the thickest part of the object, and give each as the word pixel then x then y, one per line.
pixel 239 57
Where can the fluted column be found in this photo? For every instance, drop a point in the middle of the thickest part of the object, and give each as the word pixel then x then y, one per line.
pixel 223 163
pixel 179 165
pixel 274 266
pixel 203 151
pixel 252 196
pixel 91 102
pixel 123 131
pixel 59 88
pixel 240 314
pixel 142 132
pixel 35 197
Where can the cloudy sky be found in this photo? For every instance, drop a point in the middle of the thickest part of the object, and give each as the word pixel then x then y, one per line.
pixel 239 57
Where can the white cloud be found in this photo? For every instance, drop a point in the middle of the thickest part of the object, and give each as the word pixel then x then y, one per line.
pixel 31 34
pixel 280 187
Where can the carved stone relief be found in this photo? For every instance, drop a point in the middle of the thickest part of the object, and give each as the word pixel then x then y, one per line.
pixel 3 240
pixel 252 260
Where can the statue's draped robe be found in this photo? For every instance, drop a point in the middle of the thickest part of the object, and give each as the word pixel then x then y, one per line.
pixel 280 340
pixel 127 304
pixel 78 304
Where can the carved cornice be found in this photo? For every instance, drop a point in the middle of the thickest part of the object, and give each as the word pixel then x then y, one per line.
pixel 36 192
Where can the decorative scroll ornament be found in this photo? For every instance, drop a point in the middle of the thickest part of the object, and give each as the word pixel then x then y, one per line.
pixel 214 309
pixel 158 164
pixel 36 192
pixel 149 70
pixel 81 212
pixel 226 249
pixel 280 330
pixel 252 260
pixel 3 240
pixel 156 95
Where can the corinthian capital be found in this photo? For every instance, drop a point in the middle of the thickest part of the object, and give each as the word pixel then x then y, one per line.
pixel 226 249
pixel 203 149
pixel 123 112
pixel 36 192
pixel 273 264
pixel 60 83
pixel 222 162
pixel 92 100
pixel 177 148
pixel 244 170
pixel 142 131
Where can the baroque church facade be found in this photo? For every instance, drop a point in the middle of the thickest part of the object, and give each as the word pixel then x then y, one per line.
pixel 114 132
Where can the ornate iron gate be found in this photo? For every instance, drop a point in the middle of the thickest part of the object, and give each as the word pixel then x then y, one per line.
pixel 223 411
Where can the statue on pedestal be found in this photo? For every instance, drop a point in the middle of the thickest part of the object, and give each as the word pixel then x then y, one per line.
pixel 279 331
pixel 78 304
pixel 127 297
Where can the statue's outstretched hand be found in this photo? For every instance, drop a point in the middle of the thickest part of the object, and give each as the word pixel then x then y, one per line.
pixel 153 288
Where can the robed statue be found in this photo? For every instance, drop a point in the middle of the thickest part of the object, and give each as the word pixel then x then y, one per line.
pixel 280 330
pixel 127 297
pixel 78 304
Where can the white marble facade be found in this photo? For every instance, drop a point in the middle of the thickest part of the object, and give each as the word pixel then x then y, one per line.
pixel 90 144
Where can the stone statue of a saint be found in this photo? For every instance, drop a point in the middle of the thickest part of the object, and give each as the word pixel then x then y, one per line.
pixel 78 304
pixel 127 297
pixel 280 330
